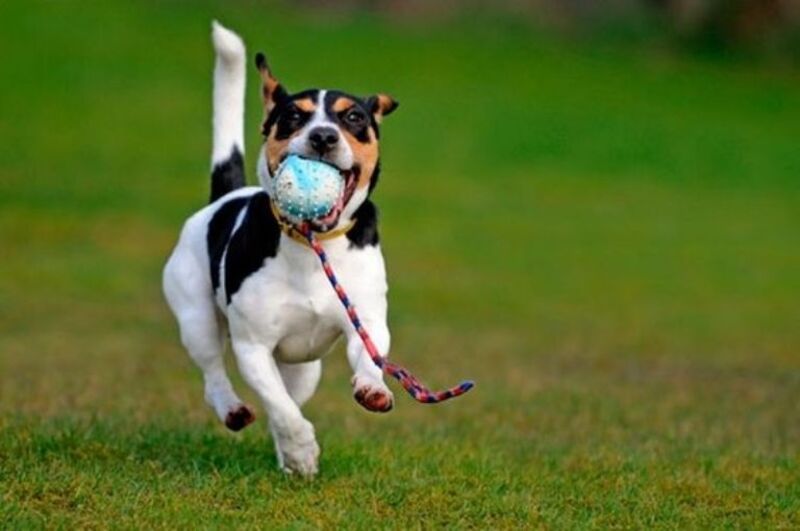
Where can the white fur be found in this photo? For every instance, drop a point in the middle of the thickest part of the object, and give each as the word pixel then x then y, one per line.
pixel 282 320
pixel 229 85
pixel 285 316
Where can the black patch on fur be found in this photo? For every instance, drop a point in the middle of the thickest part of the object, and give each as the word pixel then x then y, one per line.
pixel 227 175
pixel 373 181
pixel 279 94
pixel 279 115
pixel 219 233
pixel 365 231
pixel 254 241
pixel 261 61
pixel 290 121
pixel 360 129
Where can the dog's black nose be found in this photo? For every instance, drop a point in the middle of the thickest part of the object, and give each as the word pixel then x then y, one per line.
pixel 323 139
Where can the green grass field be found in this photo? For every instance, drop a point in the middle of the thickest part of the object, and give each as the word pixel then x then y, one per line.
pixel 606 239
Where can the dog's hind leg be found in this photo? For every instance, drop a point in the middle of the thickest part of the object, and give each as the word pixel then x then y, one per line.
pixel 203 336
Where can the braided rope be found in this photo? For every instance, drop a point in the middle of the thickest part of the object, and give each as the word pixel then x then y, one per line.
pixel 413 386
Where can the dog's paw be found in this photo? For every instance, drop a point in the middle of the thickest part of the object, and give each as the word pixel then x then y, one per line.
pixel 372 394
pixel 299 451
pixel 239 417
pixel 303 461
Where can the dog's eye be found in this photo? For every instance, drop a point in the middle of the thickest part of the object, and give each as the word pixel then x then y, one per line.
pixel 354 117
pixel 294 115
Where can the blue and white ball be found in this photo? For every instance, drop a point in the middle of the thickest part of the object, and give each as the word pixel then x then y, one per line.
pixel 305 190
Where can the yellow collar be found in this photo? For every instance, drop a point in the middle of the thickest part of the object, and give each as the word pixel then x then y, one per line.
pixel 291 231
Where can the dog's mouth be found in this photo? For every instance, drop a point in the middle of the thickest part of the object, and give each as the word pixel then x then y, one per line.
pixel 350 177
pixel 329 220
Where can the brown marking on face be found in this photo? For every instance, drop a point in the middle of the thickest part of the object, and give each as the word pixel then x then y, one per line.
pixel 365 154
pixel 275 150
pixel 341 104
pixel 306 105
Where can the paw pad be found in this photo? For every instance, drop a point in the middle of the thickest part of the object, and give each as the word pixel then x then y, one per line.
pixel 374 399
pixel 239 418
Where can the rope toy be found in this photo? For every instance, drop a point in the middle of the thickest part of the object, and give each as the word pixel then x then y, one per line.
pixel 413 386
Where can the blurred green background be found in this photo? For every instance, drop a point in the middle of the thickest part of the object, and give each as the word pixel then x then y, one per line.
pixel 593 211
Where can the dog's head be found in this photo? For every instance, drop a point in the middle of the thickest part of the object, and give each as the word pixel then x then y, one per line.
pixel 327 125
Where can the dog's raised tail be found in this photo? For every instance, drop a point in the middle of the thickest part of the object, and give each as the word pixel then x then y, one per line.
pixel 227 163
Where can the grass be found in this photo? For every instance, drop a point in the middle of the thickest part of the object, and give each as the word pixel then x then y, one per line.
pixel 606 239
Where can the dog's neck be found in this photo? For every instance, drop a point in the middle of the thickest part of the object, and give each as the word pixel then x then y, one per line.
pixel 294 232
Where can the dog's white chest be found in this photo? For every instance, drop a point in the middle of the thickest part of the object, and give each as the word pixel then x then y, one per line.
pixel 308 326
pixel 290 302
pixel 312 343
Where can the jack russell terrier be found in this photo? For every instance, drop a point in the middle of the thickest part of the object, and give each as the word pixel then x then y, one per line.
pixel 234 271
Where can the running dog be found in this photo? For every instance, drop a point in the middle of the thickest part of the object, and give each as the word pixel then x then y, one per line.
pixel 236 273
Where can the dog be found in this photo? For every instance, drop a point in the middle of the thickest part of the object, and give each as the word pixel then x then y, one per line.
pixel 237 272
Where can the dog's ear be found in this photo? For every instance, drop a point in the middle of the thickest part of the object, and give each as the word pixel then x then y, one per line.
pixel 381 105
pixel 271 89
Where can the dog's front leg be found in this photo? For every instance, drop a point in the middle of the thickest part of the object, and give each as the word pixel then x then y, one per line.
pixel 368 387
pixel 294 436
